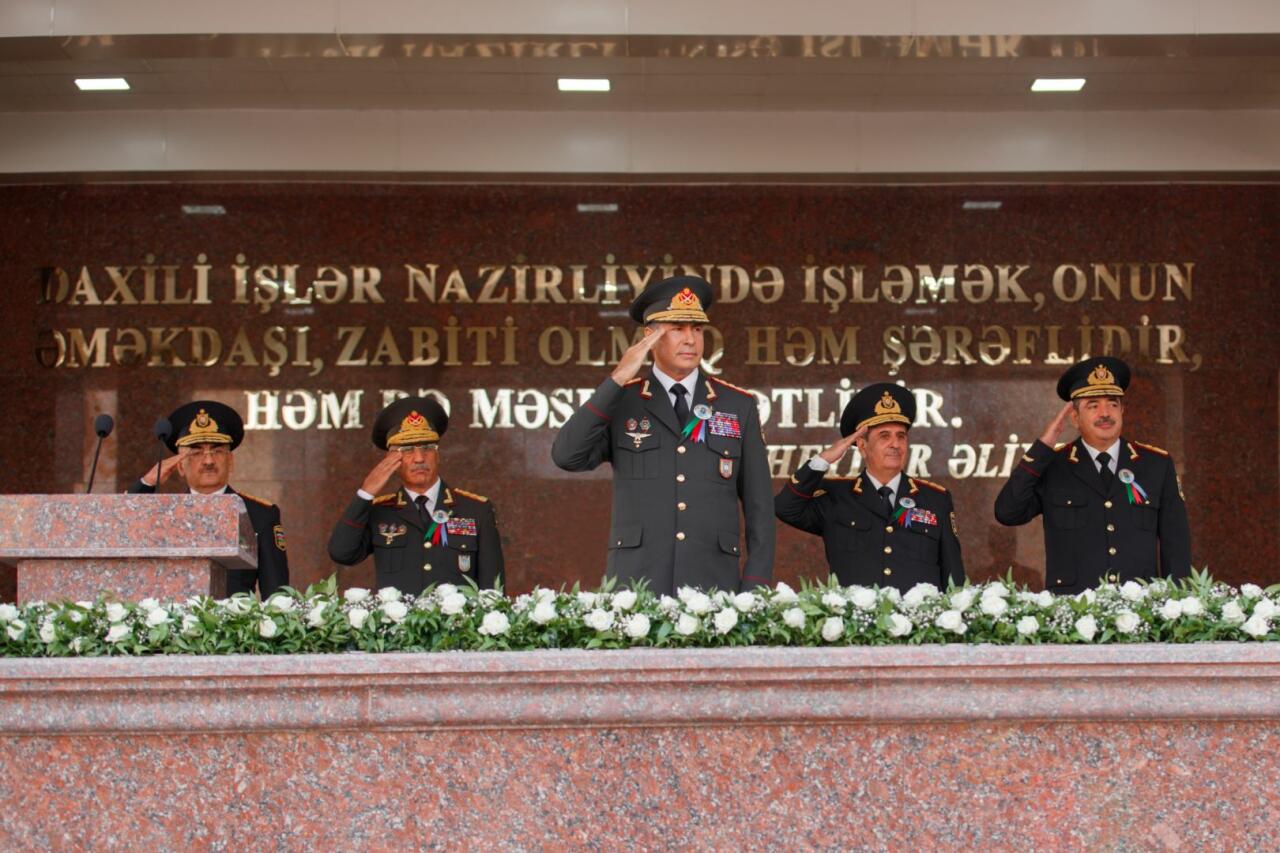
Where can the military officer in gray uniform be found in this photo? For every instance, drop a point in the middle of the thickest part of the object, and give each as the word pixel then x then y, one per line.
pixel 686 450
pixel 1112 506
pixel 204 438
pixel 425 532
pixel 881 527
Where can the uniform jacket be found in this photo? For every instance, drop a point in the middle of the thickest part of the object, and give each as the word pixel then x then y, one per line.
pixel 864 545
pixel 1094 535
pixel 390 528
pixel 675 500
pixel 273 563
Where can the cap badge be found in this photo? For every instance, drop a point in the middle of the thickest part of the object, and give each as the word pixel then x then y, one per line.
pixel 887 405
pixel 1101 376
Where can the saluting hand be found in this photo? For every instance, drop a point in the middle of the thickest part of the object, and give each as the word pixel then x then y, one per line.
pixel 836 452
pixel 381 474
pixel 1054 429
pixel 167 469
pixel 633 359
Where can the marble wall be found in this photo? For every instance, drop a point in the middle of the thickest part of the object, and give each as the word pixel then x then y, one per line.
pixel 1181 276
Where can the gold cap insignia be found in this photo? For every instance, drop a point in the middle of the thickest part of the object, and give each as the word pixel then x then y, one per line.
pixel 887 410
pixel 1100 382
pixel 414 429
pixel 887 405
pixel 684 307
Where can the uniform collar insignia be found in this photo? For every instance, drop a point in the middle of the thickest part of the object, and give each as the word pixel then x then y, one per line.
pixel 711 391
pixel 1133 451
pixel 912 484
pixel 448 497
pixel 644 390
pixel 1072 458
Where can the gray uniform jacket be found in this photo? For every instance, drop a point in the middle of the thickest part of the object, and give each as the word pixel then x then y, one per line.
pixel 675 500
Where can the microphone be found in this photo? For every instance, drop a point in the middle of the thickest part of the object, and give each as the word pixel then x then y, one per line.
pixel 102 425
pixel 162 430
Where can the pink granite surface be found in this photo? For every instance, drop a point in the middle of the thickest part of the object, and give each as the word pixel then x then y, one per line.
pixel 1136 747
pixel 130 579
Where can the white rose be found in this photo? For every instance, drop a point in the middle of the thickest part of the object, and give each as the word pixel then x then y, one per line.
pixel 268 628
pixel 1026 597
pixel 637 626
pixel 389 593
pixel 899 625
pixel 189 623
pixel 116 612
pixel 1171 609
pixel 588 600
pixel 357 616
pixel 832 628
pixel 146 605
pixel 1266 608
pixel 722 598
pixel 624 600
pixel 891 593
pixel 8 613
pixel 453 604
pixel 746 601
pixel 48 633
pixel 725 620
pixel 961 599
pixel 1191 606
pixel 1249 590
pixel 76 643
pixel 1088 596
pixel 1087 626
pixel 489 597
pixel 396 611
pixel 793 617
pixel 1028 625
pixel 281 603
pixel 495 623
pixel 1257 626
pixel 698 603
pixel 668 605
pixel 1232 613
pixel 1044 599
pixel 355 595
pixel 1127 621
pixel 445 589
pixel 600 620
pixel 687 624
pixel 993 605
pixel 834 601
pixel 685 593
pixel 1132 591
pixel 784 595
pixel 919 594
pixel 117 633
pixel 315 616
pixel 995 589
pixel 863 598
pixel 156 618
pixel 75 615
pixel 238 604
pixel 951 620
pixel 543 612
pixel 542 593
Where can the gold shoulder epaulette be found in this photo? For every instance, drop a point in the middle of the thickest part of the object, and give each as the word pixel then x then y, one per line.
pixel 467 494
pixel 730 385
pixel 930 484
pixel 249 497
pixel 631 382
pixel 1152 448
pixel 1061 446
pixel 384 499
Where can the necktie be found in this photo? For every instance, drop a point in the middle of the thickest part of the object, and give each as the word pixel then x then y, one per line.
pixel 682 408
pixel 421 502
pixel 1104 468
pixel 886 494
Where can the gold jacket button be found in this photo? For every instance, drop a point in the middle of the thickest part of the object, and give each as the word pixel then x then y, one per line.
pixel 1107 504
pixel 1111 528
pixel 679 478
pixel 426 567
pixel 426 544
pixel 888 549
pixel 680 536
pixel 889 529
pixel 1111 550
pixel 853 523
pixel 682 506
pixel 888 571
pixel 681 449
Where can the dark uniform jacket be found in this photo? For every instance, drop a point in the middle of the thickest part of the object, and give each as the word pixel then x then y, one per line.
pixel 1094 535
pixel 273 564
pixel 864 545
pixel 675 501
pixel 390 528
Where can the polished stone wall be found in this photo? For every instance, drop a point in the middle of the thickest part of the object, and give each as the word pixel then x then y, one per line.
pixel 1179 277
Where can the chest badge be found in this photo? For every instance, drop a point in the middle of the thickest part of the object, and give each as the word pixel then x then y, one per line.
pixel 726 469
pixel 389 532
pixel 1136 494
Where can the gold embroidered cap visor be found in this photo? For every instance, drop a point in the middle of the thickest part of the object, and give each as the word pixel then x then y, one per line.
pixel 1094 377
pixel 410 421
pixel 682 299
pixel 205 422
pixel 881 403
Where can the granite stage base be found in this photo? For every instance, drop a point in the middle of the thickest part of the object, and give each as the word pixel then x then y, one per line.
pixel 1133 747
pixel 131 579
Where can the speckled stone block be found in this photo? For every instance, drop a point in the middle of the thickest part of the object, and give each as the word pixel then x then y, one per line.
pixel 133 546
pixel 1043 747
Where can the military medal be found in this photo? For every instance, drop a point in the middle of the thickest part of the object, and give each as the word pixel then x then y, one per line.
pixel 631 424
pixel 702 411
pixel 391 531
pixel 437 533
pixel 727 425
pixel 461 526
pixel 464 563
pixel 1137 495
pixel 726 469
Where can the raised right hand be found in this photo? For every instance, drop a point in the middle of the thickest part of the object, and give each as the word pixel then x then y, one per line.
pixel 167 468
pixel 382 473
pixel 633 359
pixel 1054 429
pixel 836 452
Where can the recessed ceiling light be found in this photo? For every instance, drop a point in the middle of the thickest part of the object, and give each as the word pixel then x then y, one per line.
pixel 583 84
pixel 1058 84
pixel 204 210
pixel 982 205
pixel 608 207
pixel 102 84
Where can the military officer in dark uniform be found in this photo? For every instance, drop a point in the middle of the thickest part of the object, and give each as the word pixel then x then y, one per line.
pixel 204 437
pixel 881 527
pixel 426 532
pixel 686 450
pixel 1112 506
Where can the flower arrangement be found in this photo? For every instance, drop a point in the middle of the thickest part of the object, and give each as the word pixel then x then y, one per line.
pixel 446 618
